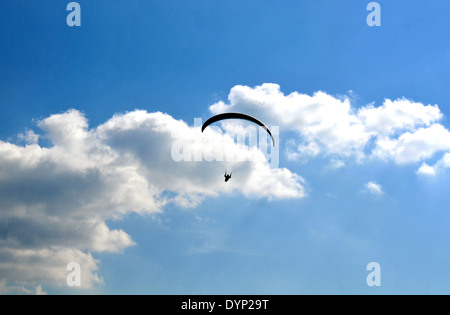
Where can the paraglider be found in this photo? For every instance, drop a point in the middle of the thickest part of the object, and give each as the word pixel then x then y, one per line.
pixel 225 116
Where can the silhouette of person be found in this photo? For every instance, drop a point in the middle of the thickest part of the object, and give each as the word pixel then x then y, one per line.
pixel 227 176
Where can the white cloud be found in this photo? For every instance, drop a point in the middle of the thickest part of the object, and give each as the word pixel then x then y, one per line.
pixel 414 147
pixel 400 130
pixel 33 266
pixel 374 188
pixel 54 201
pixel 301 151
pixel 29 137
pixel 321 119
pixel 394 116
pixel 437 168
pixel 5 288
pixel 426 169
pixel 335 163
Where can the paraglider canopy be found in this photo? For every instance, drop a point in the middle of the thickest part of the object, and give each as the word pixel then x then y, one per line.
pixel 237 116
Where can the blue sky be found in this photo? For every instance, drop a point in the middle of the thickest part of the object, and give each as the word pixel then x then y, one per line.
pixel 180 58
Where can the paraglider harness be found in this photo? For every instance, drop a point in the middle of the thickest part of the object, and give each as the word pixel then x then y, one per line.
pixel 228 176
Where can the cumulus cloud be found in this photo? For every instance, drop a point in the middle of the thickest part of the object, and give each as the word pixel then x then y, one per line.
pixel 426 169
pixel 399 130
pixel 55 200
pixel 438 167
pixel 301 151
pixel 8 289
pixel 394 116
pixel 373 188
pixel 321 119
pixel 415 146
